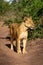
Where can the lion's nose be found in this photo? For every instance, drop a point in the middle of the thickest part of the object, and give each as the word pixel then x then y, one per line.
pixel 35 27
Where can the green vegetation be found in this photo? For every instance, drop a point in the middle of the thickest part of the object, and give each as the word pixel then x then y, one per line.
pixel 17 10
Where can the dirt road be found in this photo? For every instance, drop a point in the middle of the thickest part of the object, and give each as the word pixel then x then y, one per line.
pixel 8 57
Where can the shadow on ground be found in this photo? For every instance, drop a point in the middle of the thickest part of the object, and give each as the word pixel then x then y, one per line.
pixel 14 47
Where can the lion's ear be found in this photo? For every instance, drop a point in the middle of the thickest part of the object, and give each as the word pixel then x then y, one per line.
pixel 25 18
pixel 30 17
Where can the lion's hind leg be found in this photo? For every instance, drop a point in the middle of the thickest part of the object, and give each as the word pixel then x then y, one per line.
pixel 11 38
pixel 11 44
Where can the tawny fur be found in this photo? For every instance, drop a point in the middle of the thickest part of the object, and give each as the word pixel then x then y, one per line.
pixel 20 32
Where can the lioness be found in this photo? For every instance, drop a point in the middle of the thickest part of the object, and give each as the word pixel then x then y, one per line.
pixel 20 33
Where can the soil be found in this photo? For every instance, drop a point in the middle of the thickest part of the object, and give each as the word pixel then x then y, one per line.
pixel 34 48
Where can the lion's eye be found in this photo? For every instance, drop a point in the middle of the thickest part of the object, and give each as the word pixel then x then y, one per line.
pixel 24 20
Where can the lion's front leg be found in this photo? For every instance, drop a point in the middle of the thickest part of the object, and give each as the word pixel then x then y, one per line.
pixel 18 46
pixel 24 45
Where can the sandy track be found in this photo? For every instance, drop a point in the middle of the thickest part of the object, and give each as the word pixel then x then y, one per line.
pixel 8 57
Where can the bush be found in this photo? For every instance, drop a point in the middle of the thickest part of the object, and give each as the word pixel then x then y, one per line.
pixel 33 8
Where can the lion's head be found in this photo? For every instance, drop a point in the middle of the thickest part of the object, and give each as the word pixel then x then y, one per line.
pixel 29 22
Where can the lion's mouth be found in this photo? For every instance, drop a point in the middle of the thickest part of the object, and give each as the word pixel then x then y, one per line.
pixel 26 26
pixel 32 28
pixel 29 27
